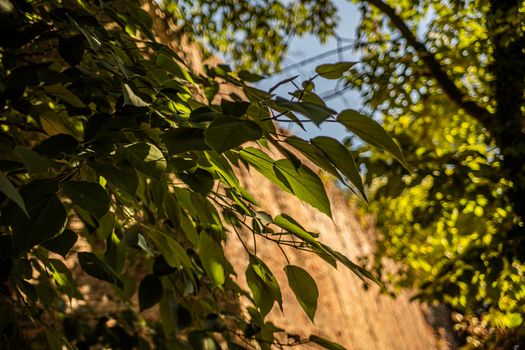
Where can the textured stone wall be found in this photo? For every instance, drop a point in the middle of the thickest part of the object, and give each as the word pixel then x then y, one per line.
pixel 347 313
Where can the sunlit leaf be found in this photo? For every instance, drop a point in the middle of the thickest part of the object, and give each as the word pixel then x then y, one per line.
pixel 370 131
pixel 333 70
pixel 212 258
pixel 304 288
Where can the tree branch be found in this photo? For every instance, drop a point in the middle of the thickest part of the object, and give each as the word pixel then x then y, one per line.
pixel 441 76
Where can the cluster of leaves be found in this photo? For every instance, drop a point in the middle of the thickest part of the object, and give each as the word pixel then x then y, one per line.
pixel 253 33
pixel 113 157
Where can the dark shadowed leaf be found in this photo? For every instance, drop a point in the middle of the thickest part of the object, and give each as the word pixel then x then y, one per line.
pixel 314 154
pixel 34 163
pixel 89 196
pixel 200 180
pixel 313 111
pixel 226 133
pixel 62 243
pixel 115 255
pixel 72 49
pixel 10 191
pixel 181 140
pixel 56 145
pixel 122 177
pixel 234 109
pixel 47 218
pixel 95 267
pixel 150 292
pixel 204 114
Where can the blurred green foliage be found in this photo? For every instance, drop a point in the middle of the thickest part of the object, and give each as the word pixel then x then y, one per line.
pixel 454 226
pixel 253 33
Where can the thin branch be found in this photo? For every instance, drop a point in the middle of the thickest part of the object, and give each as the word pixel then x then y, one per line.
pixel 281 83
pixel 436 69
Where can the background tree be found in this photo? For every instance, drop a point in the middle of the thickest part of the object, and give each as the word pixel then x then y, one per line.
pixel 109 140
pixel 455 103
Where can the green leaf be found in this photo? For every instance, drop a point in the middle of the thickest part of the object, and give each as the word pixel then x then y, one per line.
pixel 10 191
pixel 262 295
pixel 314 154
pixel 130 98
pixel 170 249
pixel 304 288
pixel 57 145
pixel 145 157
pixel 63 278
pixel 333 70
pixel 95 267
pixel 181 140
pixel 313 111
pixel 212 258
pixel 290 225
pixel 341 158
pixel 89 196
pixel 34 162
pixel 115 255
pixel 301 182
pixel 200 181
pixel 370 131
pixel 64 94
pixel 47 218
pixel 325 343
pixel 305 185
pixel 265 289
pixel 249 77
pixel 124 178
pixel 62 243
pixel 204 114
pixel 226 133
pixel 150 292
pixel 234 109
